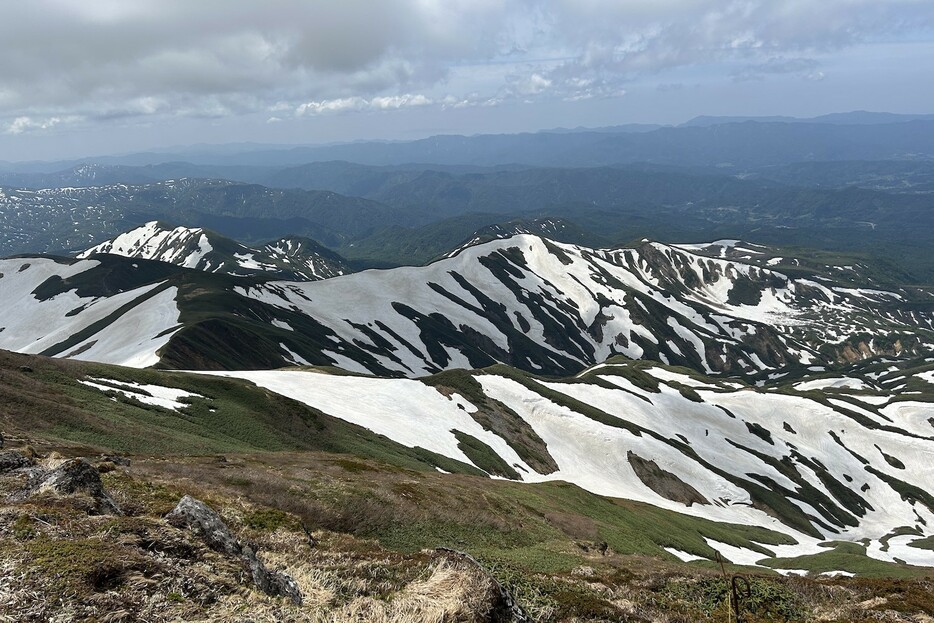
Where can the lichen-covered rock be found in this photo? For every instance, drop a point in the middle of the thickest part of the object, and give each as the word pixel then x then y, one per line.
pixel 204 521
pixel 271 582
pixel 78 476
pixel 11 459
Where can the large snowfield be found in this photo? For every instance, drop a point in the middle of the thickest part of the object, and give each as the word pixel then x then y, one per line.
pixel 595 456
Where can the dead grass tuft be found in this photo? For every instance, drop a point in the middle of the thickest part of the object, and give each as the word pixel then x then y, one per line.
pixel 453 593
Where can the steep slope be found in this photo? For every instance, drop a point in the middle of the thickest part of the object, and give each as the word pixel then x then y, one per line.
pixel 791 476
pixel 832 459
pixel 353 516
pixel 123 323
pixel 305 258
pixel 290 258
pixel 555 308
pixel 537 305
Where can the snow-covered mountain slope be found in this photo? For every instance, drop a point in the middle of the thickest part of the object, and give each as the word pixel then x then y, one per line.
pixel 528 302
pixel 40 317
pixel 292 258
pixel 181 246
pixel 818 465
pixel 305 257
pixel 557 308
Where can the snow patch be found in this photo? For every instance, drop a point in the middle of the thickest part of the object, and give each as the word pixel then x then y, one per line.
pixel 166 397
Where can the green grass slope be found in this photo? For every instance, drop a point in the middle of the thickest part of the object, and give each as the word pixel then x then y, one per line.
pixel 42 400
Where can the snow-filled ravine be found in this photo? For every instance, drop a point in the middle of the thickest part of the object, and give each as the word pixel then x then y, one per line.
pixel 734 437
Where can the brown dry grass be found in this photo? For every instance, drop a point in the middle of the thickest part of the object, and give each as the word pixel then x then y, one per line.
pixel 59 563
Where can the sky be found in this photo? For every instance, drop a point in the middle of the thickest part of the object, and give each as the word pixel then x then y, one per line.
pixel 92 77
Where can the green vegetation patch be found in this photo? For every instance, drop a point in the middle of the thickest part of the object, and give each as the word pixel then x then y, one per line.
pixel 81 565
pixel 849 557
pixel 637 528
pixel 494 416
pixel 269 520
pixel 484 457
pixel 925 543
pixel 711 598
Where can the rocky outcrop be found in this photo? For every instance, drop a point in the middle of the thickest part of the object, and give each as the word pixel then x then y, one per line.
pixel 64 477
pixel 11 460
pixel 200 518
pixel 77 476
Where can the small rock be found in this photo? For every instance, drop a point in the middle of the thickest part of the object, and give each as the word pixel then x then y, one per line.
pixel 105 466
pixel 116 459
pixel 310 538
pixel 25 369
pixel 203 520
pixel 271 582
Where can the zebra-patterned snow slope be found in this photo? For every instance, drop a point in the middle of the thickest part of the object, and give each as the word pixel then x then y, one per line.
pixel 533 304
pixel 181 246
pixel 783 461
pixel 127 328
pixel 556 308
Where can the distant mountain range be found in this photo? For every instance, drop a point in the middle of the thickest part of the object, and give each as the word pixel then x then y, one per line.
pixel 411 215
pixel 733 142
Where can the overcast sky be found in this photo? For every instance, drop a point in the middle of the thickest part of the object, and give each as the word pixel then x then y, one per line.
pixel 86 77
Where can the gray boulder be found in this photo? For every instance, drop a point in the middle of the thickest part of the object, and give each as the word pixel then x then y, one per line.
pixel 77 476
pixel 205 522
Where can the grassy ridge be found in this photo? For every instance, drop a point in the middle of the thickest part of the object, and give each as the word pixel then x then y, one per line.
pixel 42 399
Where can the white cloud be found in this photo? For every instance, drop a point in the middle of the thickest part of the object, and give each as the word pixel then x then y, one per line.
pixel 22 125
pixel 107 59
pixel 348 104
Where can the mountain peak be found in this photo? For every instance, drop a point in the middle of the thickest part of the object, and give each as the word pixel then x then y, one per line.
pixel 293 257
